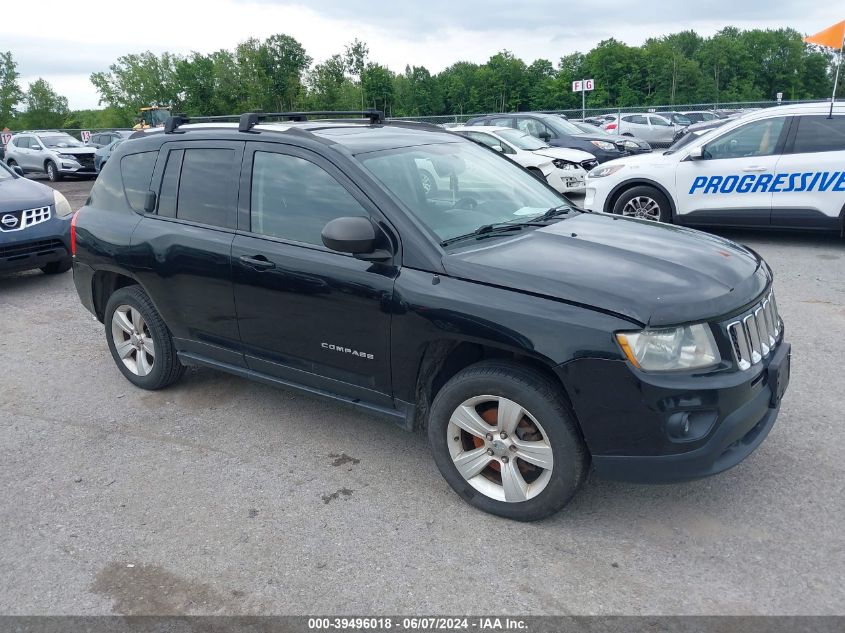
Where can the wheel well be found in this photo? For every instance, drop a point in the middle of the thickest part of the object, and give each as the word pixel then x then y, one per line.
pixel 616 193
pixel 445 359
pixel 103 286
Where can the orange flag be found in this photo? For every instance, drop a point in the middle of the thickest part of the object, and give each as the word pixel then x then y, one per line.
pixel 831 37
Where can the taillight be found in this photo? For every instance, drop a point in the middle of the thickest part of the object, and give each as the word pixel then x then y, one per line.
pixel 73 233
pixel 610 126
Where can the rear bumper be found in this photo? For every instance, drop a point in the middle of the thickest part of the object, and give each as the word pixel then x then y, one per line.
pixel 629 429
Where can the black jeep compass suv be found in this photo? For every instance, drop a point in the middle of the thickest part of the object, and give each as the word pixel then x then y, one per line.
pixel 532 340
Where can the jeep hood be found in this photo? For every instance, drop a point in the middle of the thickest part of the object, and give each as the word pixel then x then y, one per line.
pixel 655 274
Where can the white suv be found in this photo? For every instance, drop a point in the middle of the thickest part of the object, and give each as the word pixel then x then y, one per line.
pixel 54 153
pixel 781 167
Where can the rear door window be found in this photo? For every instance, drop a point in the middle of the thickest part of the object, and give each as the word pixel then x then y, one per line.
pixel 208 186
pixel 819 134
pixel 22 142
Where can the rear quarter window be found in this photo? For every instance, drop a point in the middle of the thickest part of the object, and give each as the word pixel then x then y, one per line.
pixel 136 170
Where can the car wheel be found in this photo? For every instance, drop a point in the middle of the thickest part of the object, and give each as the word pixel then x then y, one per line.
pixel 53 172
pixel 56 268
pixel 429 184
pixel 139 340
pixel 505 440
pixel 12 162
pixel 644 202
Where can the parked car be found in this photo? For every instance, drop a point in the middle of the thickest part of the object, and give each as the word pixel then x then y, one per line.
pixel 654 128
pixel 779 167
pixel 34 225
pixel 697 116
pixel 563 168
pixel 102 154
pixel 691 132
pixel 57 154
pixel 532 341
pixel 101 139
pixel 632 144
pixel 555 131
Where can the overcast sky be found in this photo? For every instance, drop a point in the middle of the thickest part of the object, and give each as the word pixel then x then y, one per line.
pixel 433 33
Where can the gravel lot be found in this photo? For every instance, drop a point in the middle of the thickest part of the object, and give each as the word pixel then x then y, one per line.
pixel 224 496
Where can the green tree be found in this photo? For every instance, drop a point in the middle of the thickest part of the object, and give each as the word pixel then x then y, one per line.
pixel 139 79
pixel 377 82
pixel 330 88
pixel 10 91
pixel 355 55
pixel 44 107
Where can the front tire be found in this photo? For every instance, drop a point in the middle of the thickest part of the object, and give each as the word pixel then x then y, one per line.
pixel 644 202
pixel 139 340
pixel 505 440
pixel 53 172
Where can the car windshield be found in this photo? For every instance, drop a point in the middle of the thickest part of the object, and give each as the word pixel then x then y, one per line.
pixel 60 140
pixel 680 119
pixel 521 140
pixel 5 174
pixel 457 188
pixel 562 126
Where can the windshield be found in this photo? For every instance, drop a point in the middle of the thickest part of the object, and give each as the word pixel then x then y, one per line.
pixel 5 174
pixel 60 140
pixel 562 126
pixel 680 119
pixel 587 128
pixel 456 188
pixel 155 118
pixel 522 140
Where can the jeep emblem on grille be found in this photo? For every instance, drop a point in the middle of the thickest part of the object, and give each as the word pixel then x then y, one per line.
pixel 9 220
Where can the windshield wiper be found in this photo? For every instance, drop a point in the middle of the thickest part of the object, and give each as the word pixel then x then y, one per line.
pixel 491 230
pixel 561 209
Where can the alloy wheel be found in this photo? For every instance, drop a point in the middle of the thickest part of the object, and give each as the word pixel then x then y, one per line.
pixel 642 207
pixel 499 448
pixel 132 340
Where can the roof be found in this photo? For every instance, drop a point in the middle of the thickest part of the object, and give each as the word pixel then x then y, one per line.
pixel 481 128
pixel 356 137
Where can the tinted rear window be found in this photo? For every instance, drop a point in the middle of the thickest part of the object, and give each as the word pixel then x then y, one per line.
pixel 820 134
pixel 207 186
pixel 137 172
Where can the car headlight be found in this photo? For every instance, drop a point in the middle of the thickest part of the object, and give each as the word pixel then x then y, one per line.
pixel 601 172
pixel 62 205
pixel 630 145
pixel 605 145
pixel 67 156
pixel 686 347
pixel 560 163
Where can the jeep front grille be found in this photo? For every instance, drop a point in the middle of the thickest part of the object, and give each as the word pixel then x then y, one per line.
pixel 754 334
pixel 19 220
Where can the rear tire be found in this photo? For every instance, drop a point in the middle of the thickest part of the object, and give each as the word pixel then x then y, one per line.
pixel 477 403
pixel 644 202
pixel 53 172
pixel 56 268
pixel 139 340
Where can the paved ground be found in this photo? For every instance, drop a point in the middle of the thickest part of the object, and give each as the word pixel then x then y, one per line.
pixel 224 496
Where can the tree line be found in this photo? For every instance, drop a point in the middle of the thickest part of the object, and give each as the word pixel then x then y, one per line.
pixel 277 74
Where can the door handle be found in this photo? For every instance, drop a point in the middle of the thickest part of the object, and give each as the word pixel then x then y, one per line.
pixel 258 262
pixel 755 168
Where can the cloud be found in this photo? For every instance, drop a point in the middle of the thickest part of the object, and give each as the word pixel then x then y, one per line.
pixel 433 34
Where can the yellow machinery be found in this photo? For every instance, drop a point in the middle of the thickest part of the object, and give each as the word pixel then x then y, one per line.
pixel 151 116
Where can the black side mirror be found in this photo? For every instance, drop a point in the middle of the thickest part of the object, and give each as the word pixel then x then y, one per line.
pixel 545 136
pixel 18 170
pixel 354 235
pixel 149 201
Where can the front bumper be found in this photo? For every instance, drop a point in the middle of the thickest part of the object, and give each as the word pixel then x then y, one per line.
pixel 627 417
pixel 567 180
pixel 70 167
pixel 35 246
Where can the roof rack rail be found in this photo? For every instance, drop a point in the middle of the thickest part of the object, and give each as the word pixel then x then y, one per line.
pixel 249 120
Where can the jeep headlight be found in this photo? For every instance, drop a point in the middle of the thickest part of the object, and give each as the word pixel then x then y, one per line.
pixel 686 347
pixel 62 205
pixel 601 172
pixel 605 145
